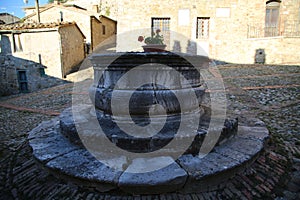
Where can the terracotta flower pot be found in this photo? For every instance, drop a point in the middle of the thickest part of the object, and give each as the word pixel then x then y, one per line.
pixel 154 47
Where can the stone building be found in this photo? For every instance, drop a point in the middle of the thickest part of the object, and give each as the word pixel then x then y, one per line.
pixel 21 75
pixel 94 27
pixel 229 30
pixel 57 46
pixel 6 18
pixel 103 7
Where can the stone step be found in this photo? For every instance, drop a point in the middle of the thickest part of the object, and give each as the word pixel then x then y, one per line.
pixel 71 163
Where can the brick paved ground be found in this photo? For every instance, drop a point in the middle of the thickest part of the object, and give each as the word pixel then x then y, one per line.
pixel 270 93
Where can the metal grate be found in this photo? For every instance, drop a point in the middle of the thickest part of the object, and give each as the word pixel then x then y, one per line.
pixel 290 28
pixel 202 31
pixel 161 23
pixel 164 25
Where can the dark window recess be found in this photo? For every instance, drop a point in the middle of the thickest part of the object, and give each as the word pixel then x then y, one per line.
pixel 103 30
pixel 202 31
pixel 61 16
pixel 22 78
pixel 42 72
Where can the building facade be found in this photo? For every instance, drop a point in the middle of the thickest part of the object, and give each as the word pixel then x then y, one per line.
pixel 6 18
pixel 230 30
pixel 21 75
pixel 88 21
pixel 57 46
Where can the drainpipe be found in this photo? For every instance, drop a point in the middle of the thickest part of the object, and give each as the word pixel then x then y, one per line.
pixel 92 38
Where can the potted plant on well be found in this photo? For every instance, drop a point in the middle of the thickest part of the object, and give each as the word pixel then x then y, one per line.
pixel 154 43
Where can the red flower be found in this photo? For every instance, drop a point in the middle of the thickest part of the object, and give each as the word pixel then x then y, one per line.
pixel 140 38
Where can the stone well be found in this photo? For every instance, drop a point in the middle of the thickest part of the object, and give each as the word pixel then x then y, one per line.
pixel 158 94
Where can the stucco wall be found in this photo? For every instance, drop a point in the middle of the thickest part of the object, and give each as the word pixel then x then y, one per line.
pixel 72 43
pixel 107 7
pixel 53 15
pixel 59 49
pixel 90 26
pixel 36 46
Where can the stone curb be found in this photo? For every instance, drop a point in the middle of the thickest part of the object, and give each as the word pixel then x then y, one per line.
pixel 72 163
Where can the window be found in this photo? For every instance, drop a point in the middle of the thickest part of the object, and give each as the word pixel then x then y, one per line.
pixel 61 16
pixel 272 18
pixel 103 30
pixel 42 71
pixel 161 23
pixel 164 25
pixel 22 78
pixel 202 31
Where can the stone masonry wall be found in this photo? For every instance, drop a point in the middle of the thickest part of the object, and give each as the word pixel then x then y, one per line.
pixel 96 32
pixel 9 84
pixel 228 27
pixel 72 44
pixel 8 77
pixel 110 28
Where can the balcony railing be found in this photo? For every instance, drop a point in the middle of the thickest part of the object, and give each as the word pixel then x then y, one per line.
pixel 289 29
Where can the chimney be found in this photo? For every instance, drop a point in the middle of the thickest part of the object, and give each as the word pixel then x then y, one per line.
pixel 96 8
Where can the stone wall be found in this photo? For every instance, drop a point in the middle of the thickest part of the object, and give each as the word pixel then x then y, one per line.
pixel 9 84
pixel 278 50
pixel 228 27
pixel 109 26
pixel 8 18
pixel 72 45
pixel 96 27
pixel 8 77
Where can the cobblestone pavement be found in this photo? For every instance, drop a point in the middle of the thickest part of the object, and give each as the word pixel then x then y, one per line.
pixel 270 93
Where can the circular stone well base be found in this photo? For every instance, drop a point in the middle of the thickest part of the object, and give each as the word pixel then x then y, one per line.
pixel 187 174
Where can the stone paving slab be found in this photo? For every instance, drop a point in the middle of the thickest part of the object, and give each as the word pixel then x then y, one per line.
pixel 225 160
pixel 167 179
pixel 58 154
pixel 282 147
